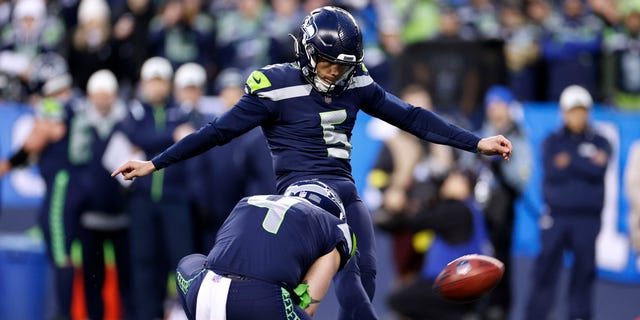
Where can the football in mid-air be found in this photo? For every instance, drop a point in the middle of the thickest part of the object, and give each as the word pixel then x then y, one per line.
pixel 468 278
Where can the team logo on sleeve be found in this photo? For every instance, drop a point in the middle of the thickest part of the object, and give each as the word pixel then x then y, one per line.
pixel 256 81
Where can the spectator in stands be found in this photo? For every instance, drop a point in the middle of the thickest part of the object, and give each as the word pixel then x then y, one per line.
pixel 419 20
pixel 31 32
pixel 5 12
pixel 381 36
pixel 451 72
pixel 539 11
pixel 480 19
pixel 161 224
pixel 279 23
pixel 103 218
pixel 509 180
pixel 90 49
pixel 457 225
pixel 521 52
pixel 622 46
pixel 240 40
pixel 608 11
pixel 130 29
pixel 575 160
pixel 571 47
pixel 183 33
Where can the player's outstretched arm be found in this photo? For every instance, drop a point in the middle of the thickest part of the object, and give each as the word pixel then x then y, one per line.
pixel 135 168
pixel 495 145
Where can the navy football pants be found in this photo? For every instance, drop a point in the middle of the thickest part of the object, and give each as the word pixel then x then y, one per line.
pixel 246 300
pixel 59 220
pixel 160 234
pixel 578 235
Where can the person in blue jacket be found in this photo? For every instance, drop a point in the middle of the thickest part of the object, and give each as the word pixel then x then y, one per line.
pixel 575 160
pixel 307 110
pixel 161 229
pixel 273 258
pixel 103 219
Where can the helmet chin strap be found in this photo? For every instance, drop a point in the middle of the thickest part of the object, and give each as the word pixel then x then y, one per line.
pixel 322 85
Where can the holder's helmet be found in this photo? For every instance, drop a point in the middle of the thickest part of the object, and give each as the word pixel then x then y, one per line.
pixel 331 34
pixel 319 194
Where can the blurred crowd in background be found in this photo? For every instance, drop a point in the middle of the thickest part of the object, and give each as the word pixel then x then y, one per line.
pixel 145 73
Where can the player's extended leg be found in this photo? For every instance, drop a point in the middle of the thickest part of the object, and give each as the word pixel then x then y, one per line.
pixel 584 231
pixel 359 220
pixel 359 275
pixel 546 271
pixel 353 299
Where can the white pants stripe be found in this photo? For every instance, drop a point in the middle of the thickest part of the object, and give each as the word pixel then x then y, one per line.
pixel 212 297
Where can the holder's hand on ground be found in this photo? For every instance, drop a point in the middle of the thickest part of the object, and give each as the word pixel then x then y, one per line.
pixel 495 145
pixel 135 168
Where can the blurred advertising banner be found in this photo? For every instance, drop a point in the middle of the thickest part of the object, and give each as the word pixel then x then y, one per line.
pixel 20 188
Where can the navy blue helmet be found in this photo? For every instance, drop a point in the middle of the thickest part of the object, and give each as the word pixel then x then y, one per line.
pixel 319 194
pixel 331 34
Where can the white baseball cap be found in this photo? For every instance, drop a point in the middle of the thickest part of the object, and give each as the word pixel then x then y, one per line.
pixel 102 81
pixel 93 10
pixel 30 8
pixel 156 67
pixel 575 96
pixel 190 75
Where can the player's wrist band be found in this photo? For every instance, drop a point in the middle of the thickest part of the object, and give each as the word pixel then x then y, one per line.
pixel 19 158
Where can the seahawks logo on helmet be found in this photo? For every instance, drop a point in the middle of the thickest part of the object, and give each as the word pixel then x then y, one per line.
pixel 309 28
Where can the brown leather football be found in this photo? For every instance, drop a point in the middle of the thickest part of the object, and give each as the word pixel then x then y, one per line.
pixel 469 277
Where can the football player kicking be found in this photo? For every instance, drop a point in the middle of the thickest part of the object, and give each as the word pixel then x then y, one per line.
pixel 273 258
pixel 307 110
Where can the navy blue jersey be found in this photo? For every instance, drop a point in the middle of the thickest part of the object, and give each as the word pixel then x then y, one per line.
pixel 73 151
pixel 578 188
pixel 276 239
pixel 105 191
pixel 151 129
pixel 308 133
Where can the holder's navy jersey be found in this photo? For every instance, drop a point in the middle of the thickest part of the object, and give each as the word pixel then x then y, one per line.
pixel 276 239
pixel 309 133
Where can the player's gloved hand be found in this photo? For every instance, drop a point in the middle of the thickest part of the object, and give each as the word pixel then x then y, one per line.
pixel 302 291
